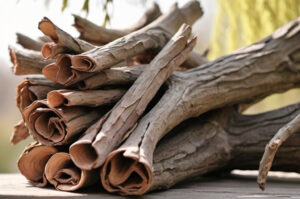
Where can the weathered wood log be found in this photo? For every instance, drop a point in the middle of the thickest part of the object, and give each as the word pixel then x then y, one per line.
pixel 127 111
pixel 20 132
pixel 63 42
pixel 27 62
pixel 90 98
pixel 28 43
pixel 58 126
pixel 31 89
pixel 99 35
pixel 223 140
pixel 153 36
pixel 265 67
pixel 61 172
pixel 32 163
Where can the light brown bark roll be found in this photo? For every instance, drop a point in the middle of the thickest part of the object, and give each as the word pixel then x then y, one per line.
pixel 28 43
pixel 58 126
pixel 31 89
pixel 127 111
pixel 153 36
pixel 20 132
pixel 91 98
pixel 61 172
pixel 63 42
pixel 32 163
pixel 27 62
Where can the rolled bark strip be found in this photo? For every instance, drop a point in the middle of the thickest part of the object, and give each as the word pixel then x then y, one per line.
pixel 127 111
pixel 61 172
pixel 64 41
pixel 20 133
pixel 58 126
pixel 62 73
pixel 153 36
pixel 28 43
pixel 91 98
pixel 99 35
pixel 27 62
pixel 31 89
pixel 32 163
pixel 112 76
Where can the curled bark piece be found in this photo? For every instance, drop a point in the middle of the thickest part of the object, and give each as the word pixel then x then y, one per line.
pixel 99 35
pixel 28 43
pixel 31 89
pixel 128 110
pixel 20 133
pixel 62 73
pixel 217 84
pixel 153 36
pixel 58 126
pixel 32 163
pixel 63 42
pixel 112 76
pixel 27 62
pixel 61 172
pixel 91 98
pixel 272 147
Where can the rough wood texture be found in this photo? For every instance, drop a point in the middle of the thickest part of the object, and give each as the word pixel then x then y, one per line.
pixel 99 35
pixel 153 36
pixel 15 186
pixel 28 43
pixel 27 62
pixel 91 98
pixel 223 140
pixel 63 42
pixel 272 147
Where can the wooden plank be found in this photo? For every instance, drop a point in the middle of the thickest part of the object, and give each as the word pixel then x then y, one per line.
pixel 16 186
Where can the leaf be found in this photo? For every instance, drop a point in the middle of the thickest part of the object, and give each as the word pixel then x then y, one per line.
pixel 85 6
pixel 64 5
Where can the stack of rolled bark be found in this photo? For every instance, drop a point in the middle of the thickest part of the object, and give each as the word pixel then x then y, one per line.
pixel 99 104
pixel 83 108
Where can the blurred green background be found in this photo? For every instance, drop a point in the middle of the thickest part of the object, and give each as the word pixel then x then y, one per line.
pixel 225 26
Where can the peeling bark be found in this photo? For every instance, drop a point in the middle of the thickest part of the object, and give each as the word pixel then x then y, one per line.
pixel 20 133
pixel 28 43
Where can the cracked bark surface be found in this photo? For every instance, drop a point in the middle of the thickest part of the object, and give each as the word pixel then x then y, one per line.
pixel 153 36
pixel 263 68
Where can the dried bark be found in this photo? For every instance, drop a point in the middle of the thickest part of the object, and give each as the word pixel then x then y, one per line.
pixel 63 42
pixel 99 35
pixel 272 147
pixel 153 36
pixel 28 43
pixel 27 62
pixel 127 111
pixel 61 172
pixel 260 69
pixel 90 98
pixel 20 133
pixel 31 89
pixel 32 163
pixel 58 126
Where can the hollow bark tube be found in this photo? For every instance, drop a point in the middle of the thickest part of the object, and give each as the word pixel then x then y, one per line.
pixel 91 98
pixel 153 36
pixel 127 111
pixel 28 43
pixel 61 172
pixel 58 126
pixel 32 163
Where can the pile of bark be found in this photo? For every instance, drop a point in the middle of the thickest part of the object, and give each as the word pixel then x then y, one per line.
pixel 98 105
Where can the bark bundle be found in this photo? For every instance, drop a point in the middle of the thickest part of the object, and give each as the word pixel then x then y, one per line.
pixel 98 113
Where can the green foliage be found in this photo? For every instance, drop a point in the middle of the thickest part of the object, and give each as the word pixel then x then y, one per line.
pixel 64 5
pixel 85 6
pixel 242 22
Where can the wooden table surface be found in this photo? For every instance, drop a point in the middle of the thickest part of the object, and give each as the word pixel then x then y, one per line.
pixel 244 187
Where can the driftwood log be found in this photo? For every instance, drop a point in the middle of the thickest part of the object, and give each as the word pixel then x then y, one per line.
pixel 147 109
